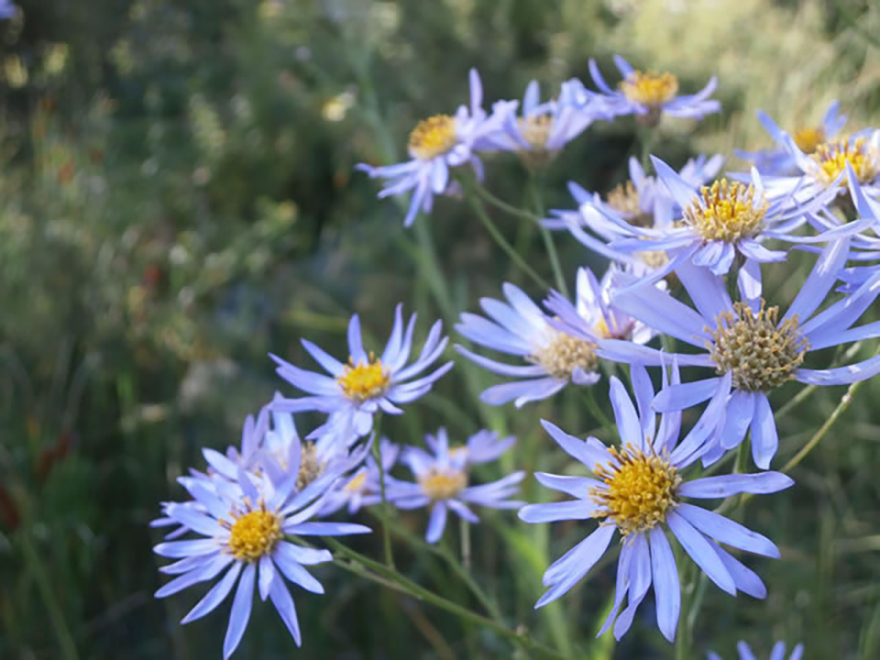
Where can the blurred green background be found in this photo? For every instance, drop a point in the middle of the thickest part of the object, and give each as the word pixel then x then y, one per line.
pixel 177 199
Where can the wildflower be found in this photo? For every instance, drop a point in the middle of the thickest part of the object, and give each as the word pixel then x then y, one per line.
pixel 650 95
pixel 357 390
pixel 443 483
pixel 437 144
pixel 520 328
pixel 778 652
pixel 364 487
pixel 543 129
pixel 639 489
pixel 721 221
pixel 482 447
pixel 749 342
pixel 778 160
pixel 244 524
pixel 642 201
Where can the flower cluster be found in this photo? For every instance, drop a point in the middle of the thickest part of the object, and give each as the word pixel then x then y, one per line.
pixel 684 288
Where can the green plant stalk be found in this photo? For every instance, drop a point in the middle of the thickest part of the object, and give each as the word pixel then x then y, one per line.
pixel 35 564
pixel 372 570
pixel 682 641
pixel 501 205
pixel 547 237
pixel 386 533
pixel 596 410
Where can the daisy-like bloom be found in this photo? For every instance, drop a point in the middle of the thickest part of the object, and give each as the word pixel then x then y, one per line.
pixel 779 161
pixel 865 246
pixel 436 145
pixel 639 489
pixel 721 221
pixel 822 173
pixel 443 484
pixel 642 201
pixel 482 447
pixel 520 328
pixel 243 525
pixel 750 342
pixel 364 488
pixel 366 383
pixel 650 95
pixel 541 130
pixel 778 652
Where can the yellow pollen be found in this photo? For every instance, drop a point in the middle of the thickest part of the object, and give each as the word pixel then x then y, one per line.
pixel 656 259
pixel 442 485
pixel 833 156
pixel 357 483
pixel 536 130
pixel 624 199
pixel 808 139
pixel 726 212
pixel 364 380
pixel 432 137
pixel 310 468
pixel 649 88
pixel 564 354
pixel 759 352
pixel 254 535
pixel 642 489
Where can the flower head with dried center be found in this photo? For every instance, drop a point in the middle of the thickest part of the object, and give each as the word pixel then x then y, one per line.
pixel 808 139
pixel 310 468
pixel 535 130
pixel 254 535
pixel 625 199
pixel 649 88
pixel 726 212
pixel 443 484
pixel 564 354
pixel 761 353
pixel 433 137
pixel 833 156
pixel 364 380
pixel 641 489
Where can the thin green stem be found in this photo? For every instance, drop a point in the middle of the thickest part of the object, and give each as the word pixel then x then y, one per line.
pixel 501 205
pixel 386 532
pixel 547 237
pixel 372 570
pixel 35 564
pixel 465 532
pixel 682 640
pixel 502 242
pixel 596 410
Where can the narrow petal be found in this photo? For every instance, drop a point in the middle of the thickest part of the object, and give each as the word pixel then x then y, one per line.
pixel 765 439
pixel 733 484
pixel 727 531
pixel 241 611
pixel 666 586
pixel 555 511
pixel 565 572
pixel 437 523
pixel 700 550
pixel 283 603
pixel 216 596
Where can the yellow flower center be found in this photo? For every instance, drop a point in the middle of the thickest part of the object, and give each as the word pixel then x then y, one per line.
pixel 254 535
pixel 536 130
pixel 656 259
pixel 649 88
pixel 833 156
pixel 642 489
pixel 760 353
pixel 726 212
pixel 357 483
pixel 443 484
pixel 624 199
pixel 310 468
pixel 364 380
pixel 807 139
pixel 564 354
pixel 432 137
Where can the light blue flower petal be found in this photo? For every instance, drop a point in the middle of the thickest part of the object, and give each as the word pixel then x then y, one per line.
pixel 733 484
pixel 660 311
pixel 518 371
pixel 333 366
pixel 241 611
pixel 178 549
pixel 640 582
pixel 841 375
pixel 556 511
pixel 628 425
pixel 682 192
pixel 582 451
pixel 436 523
pixel 819 281
pixel 283 603
pixel 296 573
pixel 740 411
pixel 745 653
pixel 685 395
pixel 667 590
pixel 522 392
pixel 765 439
pixel 727 531
pixel 216 596
pixel 301 555
pixel 706 290
pixel 571 567
pixel 575 486
pixel 209 569
pixel 327 529
pixel 746 579
pixel 700 550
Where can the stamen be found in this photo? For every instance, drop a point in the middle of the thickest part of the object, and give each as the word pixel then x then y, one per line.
pixel 432 137
pixel 726 212
pixel 641 490
pixel 254 535
pixel 625 199
pixel 536 130
pixel 564 354
pixel 808 139
pixel 833 156
pixel 364 380
pixel 443 485
pixel 759 352
pixel 649 88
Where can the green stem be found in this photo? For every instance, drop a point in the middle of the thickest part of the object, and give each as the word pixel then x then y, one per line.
pixel 596 410
pixel 47 593
pixel 372 570
pixel 682 641
pixel 501 205
pixel 465 530
pixel 547 237
pixel 502 242
pixel 386 533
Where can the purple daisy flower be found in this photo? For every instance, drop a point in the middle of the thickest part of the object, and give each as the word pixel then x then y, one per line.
pixel 778 652
pixel 364 487
pixel 443 484
pixel 639 490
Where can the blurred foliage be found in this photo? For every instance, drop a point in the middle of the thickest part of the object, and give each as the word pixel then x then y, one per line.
pixel 178 200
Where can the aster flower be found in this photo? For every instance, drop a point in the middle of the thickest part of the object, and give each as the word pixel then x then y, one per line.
pixel 650 95
pixel 639 489
pixel 443 484
pixel 778 652
pixel 642 201
pixel 520 328
pixel 720 222
pixel 357 390
pixel 821 174
pixel 750 343
pixel 243 525
pixel 543 129
pixel 436 145
pixel 482 447
pixel 364 487
pixel 779 161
